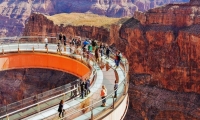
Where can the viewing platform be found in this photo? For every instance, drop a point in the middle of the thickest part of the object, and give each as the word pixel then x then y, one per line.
pixel 30 52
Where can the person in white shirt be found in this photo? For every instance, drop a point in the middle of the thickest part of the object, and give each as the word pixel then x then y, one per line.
pixel 46 42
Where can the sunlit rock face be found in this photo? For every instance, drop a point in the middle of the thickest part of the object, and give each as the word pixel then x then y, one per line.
pixel 178 15
pixel 22 83
pixel 167 51
pixel 38 24
pixel 14 13
pixel 163 51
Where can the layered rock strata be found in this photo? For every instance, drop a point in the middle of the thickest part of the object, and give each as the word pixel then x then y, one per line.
pixel 38 24
pixel 14 13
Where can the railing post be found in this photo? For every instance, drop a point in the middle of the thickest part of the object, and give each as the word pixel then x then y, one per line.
pixel 113 106
pixel 38 107
pixel 92 116
pixel 64 48
pixel 7 117
pixel 64 97
pixel 78 90
pixel 47 50
pixel 18 48
pixel 3 51
pixel 125 86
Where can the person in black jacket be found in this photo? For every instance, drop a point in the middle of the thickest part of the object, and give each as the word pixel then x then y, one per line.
pixel 107 52
pixel 60 37
pixel 60 109
pixel 64 40
pixel 87 87
pixel 82 85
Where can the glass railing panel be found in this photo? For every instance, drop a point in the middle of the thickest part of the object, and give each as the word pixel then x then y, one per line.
pixel 3 110
pixel 27 112
pixel 28 43
pixel 41 97
pixel 96 105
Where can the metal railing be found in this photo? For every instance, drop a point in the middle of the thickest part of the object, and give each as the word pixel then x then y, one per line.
pixel 121 91
pixel 37 43
pixel 33 43
pixel 35 101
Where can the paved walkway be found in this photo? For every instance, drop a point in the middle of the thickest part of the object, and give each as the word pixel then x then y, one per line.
pixel 106 75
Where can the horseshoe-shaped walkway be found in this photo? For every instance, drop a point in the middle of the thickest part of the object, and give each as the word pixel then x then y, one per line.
pixel 77 108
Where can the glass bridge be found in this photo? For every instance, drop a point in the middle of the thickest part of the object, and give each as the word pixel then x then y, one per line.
pixel 30 52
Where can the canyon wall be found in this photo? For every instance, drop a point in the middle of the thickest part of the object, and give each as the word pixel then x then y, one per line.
pixel 163 53
pixel 168 51
pixel 29 82
pixel 14 13
pixel 38 24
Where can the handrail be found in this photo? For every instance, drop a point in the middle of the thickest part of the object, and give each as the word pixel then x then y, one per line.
pixel 8 38
pixel 126 68
pixel 108 96
pixel 35 96
pixel 124 63
pixel 37 99
pixel 45 100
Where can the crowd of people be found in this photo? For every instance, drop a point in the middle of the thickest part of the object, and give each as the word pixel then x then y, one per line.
pixel 85 48
pixel 88 48
pixel 84 88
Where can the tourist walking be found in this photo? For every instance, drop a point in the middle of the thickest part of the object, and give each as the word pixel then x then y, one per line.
pixel 107 52
pixel 115 88
pixel 103 95
pixel 46 42
pixel 78 42
pixel 87 87
pixel 97 54
pixel 60 37
pixel 60 109
pixel 59 47
pixel 64 40
pixel 82 85
pixel 102 47
pixel 90 48
pixel 117 59
pixel 94 44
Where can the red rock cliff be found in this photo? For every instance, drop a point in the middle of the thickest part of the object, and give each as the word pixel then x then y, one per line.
pixel 14 13
pixel 168 52
pixel 162 46
pixel 38 24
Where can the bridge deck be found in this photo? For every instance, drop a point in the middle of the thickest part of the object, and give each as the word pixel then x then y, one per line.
pixel 106 75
